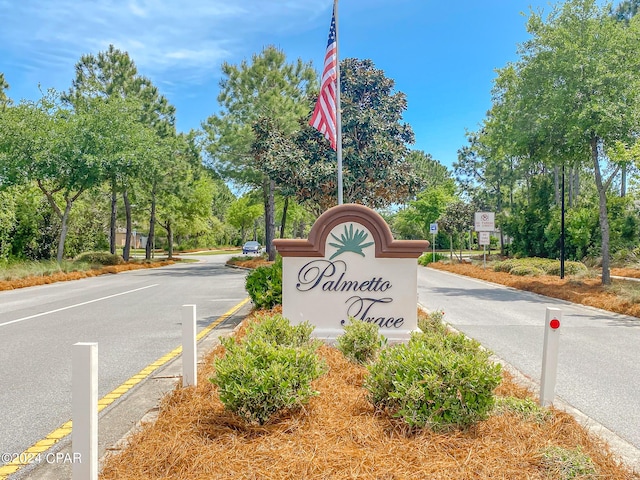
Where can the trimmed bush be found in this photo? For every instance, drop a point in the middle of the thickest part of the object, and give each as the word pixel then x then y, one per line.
pixel 277 330
pixel 429 257
pixel 524 408
pixel 538 266
pixel 432 322
pixel 526 271
pixel 436 381
pixel 570 268
pixel 260 378
pixel 361 342
pixel 99 258
pixel 566 464
pixel 264 285
pixel 505 265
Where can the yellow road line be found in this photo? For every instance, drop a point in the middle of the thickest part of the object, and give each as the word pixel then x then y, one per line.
pixel 31 454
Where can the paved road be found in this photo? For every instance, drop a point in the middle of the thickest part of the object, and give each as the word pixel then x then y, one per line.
pixel 599 356
pixel 134 316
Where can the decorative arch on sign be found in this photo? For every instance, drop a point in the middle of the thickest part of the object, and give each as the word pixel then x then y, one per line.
pixel 385 245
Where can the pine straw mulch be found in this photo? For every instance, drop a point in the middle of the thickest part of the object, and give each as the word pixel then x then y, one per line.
pixel 63 277
pixel 249 262
pixel 338 435
pixel 585 291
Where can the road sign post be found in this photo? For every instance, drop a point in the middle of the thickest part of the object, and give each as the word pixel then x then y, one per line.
pixel 484 239
pixel 550 355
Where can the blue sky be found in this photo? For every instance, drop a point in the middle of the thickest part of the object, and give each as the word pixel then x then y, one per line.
pixel 442 55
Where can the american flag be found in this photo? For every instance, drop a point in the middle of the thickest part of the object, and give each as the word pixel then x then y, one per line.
pixel 324 115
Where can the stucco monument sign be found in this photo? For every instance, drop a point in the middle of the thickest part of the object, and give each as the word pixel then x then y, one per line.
pixel 350 266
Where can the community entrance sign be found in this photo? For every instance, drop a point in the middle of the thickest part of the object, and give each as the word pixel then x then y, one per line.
pixel 350 266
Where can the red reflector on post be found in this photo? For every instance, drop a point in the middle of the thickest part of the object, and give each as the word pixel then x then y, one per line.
pixel 555 323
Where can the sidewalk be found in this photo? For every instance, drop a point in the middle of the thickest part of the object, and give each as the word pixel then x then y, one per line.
pixel 138 406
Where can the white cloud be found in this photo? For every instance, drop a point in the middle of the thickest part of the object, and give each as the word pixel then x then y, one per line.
pixel 165 38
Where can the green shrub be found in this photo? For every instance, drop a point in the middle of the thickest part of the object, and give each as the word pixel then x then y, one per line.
pixel 565 464
pixel 526 271
pixel 99 258
pixel 264 285
pixel 505 265
pixel 570 268
pixel 538 266
pixel 436 381
pixel 361 342
pixel 524 408
pixel 277 330
pixel 257 379
pixel 432 322
pixel 269 372
pixel 429 257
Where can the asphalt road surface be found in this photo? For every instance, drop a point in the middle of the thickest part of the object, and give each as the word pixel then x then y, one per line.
pixel 134 316
pixel 599 352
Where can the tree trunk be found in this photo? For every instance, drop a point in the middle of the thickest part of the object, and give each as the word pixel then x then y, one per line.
pixel 450 248
pixel 284 216
pixel 623 181
pixel 269 210
pixel 170 239
pixel 604 220
pixel 114 217
pixel 63 216
pixel 152 227
pixel 63 230
pixel 126 251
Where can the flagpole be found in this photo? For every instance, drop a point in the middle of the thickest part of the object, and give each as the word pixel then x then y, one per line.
pixel 338 112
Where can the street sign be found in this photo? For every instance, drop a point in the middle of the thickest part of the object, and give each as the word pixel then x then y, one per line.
pixel 484 238
pixel 485 222
pixel 433 228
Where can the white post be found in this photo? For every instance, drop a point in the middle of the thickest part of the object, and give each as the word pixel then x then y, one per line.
pixel 189 350
pixel 550 355
pixel 84 411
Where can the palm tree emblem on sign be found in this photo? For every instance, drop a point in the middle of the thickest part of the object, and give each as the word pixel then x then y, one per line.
pixel 350 242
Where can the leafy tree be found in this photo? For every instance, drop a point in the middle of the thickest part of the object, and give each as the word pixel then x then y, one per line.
pixel 242 214
pixel 578 90
pixel 456 221
pixel 427 208
pixel 376 172
pixel 266 88
pixel 111 74
pixel 34 235
pixel 4 86
pixel 53 146
pixel 625 10
pixel 7 222
pixel 429 170
pixel 179 191
pixel 528 220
